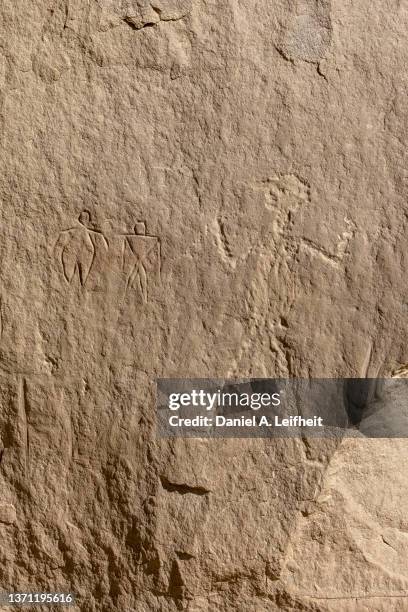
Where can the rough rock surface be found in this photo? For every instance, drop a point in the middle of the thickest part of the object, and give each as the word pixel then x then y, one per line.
pixel 254 156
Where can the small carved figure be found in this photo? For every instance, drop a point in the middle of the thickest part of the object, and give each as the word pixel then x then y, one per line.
pixel 77 246
pixel 145 256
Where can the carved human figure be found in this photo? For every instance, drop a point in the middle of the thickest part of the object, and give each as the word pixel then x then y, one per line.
pixel 144 251
pixel 77 246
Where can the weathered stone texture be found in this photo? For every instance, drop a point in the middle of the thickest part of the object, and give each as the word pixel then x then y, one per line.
pixel 253 157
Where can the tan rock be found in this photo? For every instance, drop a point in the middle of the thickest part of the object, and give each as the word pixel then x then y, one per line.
pixel 199 189
pixel 8 514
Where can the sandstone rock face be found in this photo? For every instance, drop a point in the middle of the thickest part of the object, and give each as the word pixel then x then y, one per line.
pixel 199 188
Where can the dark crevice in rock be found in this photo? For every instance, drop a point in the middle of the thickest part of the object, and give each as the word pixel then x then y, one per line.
pixel 183 556
pixel 182 489
pixel 319 71
pixel 176 583
pixel 157 10
pixel 129 22
pixel 283 54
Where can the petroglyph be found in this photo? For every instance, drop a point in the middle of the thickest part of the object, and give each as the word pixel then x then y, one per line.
pixel 77 247
pixel 141 256
pixel 272 243
pixel 287 194
pixel 342 247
